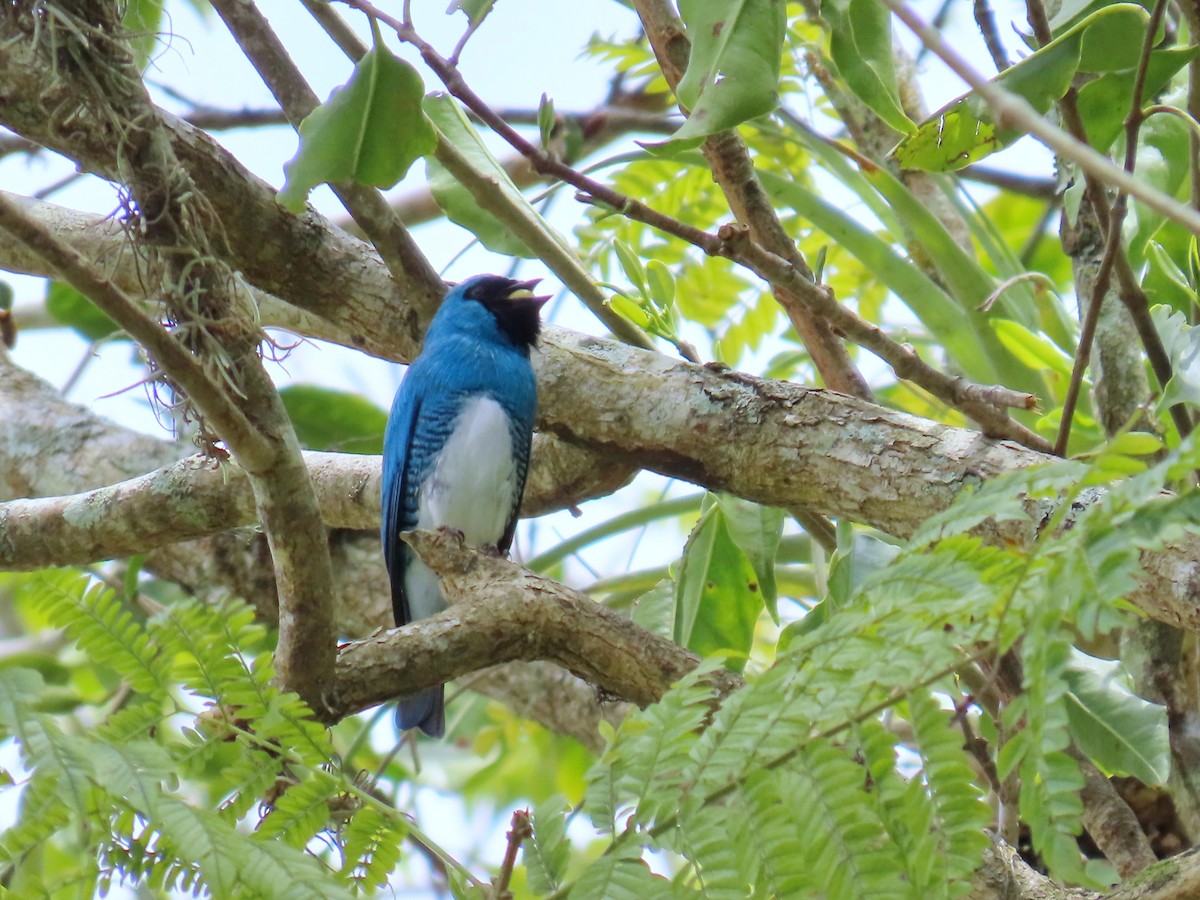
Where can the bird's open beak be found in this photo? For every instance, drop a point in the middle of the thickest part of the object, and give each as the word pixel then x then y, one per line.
pixel 523 292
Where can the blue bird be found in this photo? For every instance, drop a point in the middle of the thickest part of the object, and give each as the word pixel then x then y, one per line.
pixel 456 448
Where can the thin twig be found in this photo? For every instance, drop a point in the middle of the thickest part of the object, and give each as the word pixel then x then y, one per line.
pixel 986 20
pixel 1113 244
pixel 521 830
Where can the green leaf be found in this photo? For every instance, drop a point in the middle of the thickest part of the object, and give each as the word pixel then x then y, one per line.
pixel 756 530
pixel 857 558
pixel 1122 733
pixel 717 598
pixel 71 308
pixel 326 419
pixel 938 311
pixel 733 71
pixel 547 851
pixel 456 201
pixel 475 10
pixel 546 119
pixel 965 131
pixel 1033 350
pixel 1104 101
pixel 142 21
pixel 370 130
pixel 655 609
pixel 1182 343
pixel 860 42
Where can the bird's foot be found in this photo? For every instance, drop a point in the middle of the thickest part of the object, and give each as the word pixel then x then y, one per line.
pixel 492 550
pixel 453 533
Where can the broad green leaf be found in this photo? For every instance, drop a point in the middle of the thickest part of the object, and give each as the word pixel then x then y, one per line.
pixel 1135 443
pixel 1033 350
pixel 546 119
pixel 965 131
pixel 756 530
pixel 456 201
pixel 326 419
pixel 857 558
pixel 1104 101
pixel 860 42
pixel 716 600
pixel 965 279
pixel 1163 161
pixel 1182 343
pixel 733 71
pixel 1122 733
pixel 1165 281
pixel 655 609
pixel 370 130
pixel 71 308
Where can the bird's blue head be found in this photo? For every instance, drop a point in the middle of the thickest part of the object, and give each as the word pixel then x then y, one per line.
pixel 491 307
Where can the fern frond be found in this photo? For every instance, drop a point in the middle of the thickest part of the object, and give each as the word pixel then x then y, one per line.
pixel 135 773
pixel 906 811
pixel 41 813
pixel 546 852
pixel 773 839
pixel 218 655
pixel 137 720
pixel 301 812
pixel 245 781
pixel 96 619
pixel 716 843
pixel 960 814
pixel 371 848
pixel 44 747
pixel 621 876
pixel 845 843
pixel 647 762
pixel 207 644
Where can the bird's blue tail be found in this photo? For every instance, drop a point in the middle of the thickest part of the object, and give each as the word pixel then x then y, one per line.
pixel 425 710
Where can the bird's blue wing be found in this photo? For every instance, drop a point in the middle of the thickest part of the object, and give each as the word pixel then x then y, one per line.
pixel 400 485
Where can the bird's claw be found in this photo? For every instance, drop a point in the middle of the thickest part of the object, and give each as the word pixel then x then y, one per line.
pixel 453 533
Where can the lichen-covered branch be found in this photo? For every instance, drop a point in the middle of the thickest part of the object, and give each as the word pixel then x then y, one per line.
pixel 500 613
pixel 214 331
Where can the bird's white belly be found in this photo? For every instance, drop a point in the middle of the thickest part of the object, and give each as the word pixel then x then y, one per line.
pixel 471 488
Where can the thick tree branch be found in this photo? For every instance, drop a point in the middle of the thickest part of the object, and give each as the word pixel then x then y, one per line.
pixel 300 259
pixel 782 444
pixel 499 613
pixel 195 497
pixel 304 262
pixel 784 270
pixel 213 323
